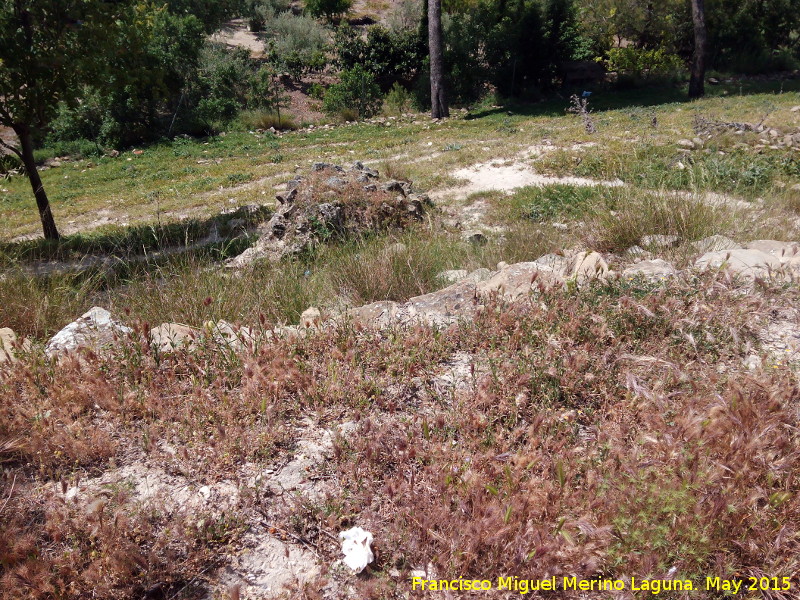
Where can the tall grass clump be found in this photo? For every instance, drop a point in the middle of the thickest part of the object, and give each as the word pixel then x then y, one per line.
pixel 622 222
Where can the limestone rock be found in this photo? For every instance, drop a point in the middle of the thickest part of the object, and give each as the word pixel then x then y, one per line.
pixel 169 337
pixel 659 241
pixel 474 237
pixel 559 263
pixel 715 243
pixel 228 335
pixel 518 280
pixel 7 341
pixel 453 275
pixel 748 262
pixel 376 314
pixel 457 275
pixel 652 269
pixel 94 329
pixel 442 307
pixel 588 265
pixel 783 251
pixel 310 317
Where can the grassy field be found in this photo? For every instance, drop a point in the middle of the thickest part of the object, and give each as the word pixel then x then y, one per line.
pixel 607 431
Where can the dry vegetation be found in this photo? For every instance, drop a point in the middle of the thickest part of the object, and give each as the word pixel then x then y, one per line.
pixel 613 432
pixel 607 431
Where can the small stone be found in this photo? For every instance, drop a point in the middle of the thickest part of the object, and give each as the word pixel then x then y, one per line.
pixel 714 243
pixel 659 241
pixel 684 143
pixel 652 269
pixel 310 318
pixel 474 237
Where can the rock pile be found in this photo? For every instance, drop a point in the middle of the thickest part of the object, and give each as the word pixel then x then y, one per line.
pixel 466 296
pixel 332 203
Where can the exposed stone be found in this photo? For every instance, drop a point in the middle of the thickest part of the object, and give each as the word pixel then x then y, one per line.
pixel 453 276
pixel 442 307
pixel 684 143
pixel 95 329
pixel 361 168
pixel 8 340
pixel 659 241
pixel 473 237
pixel 169 337
pixel 745 262
pixel 310 317
pixel 376 314
pixel 520 279
pixel 321 166
pixel 714 243
pixel 783 251
pixel 637 252
pixel 457 275
pixel 557 262
pixel 588 265
pixel 655 269
pixel 230 336
pixel 336 183
pixel 286 197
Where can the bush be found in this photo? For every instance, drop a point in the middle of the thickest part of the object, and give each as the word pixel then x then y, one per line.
pixel 392 56
pixel 357 91
pixel 297 45
pixel 641 64
pixel 398 100
pixel 260 12
pixel 328 8
pixel 265 119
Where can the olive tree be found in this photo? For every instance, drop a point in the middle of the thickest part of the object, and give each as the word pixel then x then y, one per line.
pixel 48 50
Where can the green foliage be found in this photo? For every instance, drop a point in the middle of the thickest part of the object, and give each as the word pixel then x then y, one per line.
pixel 641 65
pixel 328 8
pixel 260 12
pixel 211 13
pixel 296 45
pixel 390 55
pixel 49 49
pixel 357 90
pixel 398 100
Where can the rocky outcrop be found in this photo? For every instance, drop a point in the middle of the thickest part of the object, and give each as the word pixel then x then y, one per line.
pixel 650 269
pixel 744 262
pixel 169 337
pixel 329 204
pixel 95 329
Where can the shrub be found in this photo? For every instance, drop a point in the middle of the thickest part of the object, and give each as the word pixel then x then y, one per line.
pixel 328 8
pixel 266 119
pixel 356 90
pixel 391 55
pixel 259 12
pixel 641 64
pixel 296 45
pixel 398 100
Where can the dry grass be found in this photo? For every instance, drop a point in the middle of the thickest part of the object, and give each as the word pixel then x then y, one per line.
pixel 612 432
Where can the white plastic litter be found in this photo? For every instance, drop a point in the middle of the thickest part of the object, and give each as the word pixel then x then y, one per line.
pixel 356 544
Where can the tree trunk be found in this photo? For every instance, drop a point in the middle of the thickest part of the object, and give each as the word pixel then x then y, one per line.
pixel 698 75
pixel 439 107
pixel 45 214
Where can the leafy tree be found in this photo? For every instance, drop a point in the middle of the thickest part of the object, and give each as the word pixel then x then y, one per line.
pixel 356 91
pixel 48 50
pixel 211 13
pixel 329 9
pixel 391 55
